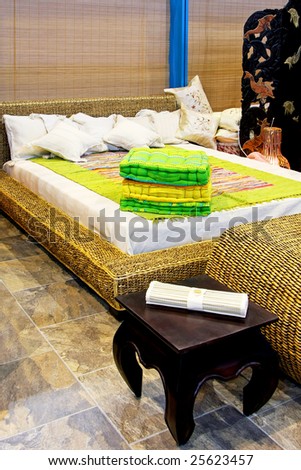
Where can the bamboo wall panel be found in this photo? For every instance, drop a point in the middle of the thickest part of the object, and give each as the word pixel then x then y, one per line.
pixel 215 46
pixel 83 48
pixel 91 48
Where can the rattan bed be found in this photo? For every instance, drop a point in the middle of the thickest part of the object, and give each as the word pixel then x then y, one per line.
pixel 261 258
pixel 100 264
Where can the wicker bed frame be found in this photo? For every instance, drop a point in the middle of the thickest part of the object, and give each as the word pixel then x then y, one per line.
pixel 101 265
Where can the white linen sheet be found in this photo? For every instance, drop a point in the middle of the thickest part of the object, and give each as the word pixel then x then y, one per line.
pixel 134 234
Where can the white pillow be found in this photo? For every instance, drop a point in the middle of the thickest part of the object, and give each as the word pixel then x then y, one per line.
pixel 128 134
pixel 230 119
pixel 95 126
pixel 192 96
pixel 165 123
pixel 20 130
pixel 49 120
pixel 199 128
pixel 223 135
pixel 145 121
pixel 65 141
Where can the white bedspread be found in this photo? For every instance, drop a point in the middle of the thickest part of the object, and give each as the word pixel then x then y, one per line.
pixel 134 234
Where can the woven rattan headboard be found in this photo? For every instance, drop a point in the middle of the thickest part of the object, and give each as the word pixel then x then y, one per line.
pixel 127 106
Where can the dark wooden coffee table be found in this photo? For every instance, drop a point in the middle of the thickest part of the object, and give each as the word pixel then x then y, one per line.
pixel 187 348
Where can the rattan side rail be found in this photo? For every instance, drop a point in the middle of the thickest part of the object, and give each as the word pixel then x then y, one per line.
pixel 101 265
pixel 264 260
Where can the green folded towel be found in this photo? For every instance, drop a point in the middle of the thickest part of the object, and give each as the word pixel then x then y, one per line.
pixel 169 165
pixel 165 208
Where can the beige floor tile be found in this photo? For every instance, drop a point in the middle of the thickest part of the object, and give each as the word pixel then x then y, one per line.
pixel 19 337
pixel 86 430
pixel 225 429
pixel 18 247
pixel 84 344
pixel 59 302
pixel 135 418
pixel 37 390
pixel 32 271
pixel 7 229
pixel 207 399
pixel 282 423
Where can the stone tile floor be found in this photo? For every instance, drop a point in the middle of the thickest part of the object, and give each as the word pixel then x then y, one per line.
pixel 60 389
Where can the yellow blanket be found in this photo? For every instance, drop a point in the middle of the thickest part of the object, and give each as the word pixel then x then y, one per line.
pixel 165 193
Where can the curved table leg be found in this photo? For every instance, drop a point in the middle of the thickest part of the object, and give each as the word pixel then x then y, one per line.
pixel 124 354
pixel 259 390
pixel 179 385
pixel 263 382
pixel 180 398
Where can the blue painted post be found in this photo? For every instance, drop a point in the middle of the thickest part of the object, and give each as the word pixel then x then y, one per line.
pixel 178 43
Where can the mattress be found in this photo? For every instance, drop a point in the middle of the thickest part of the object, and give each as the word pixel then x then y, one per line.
pixel 135 234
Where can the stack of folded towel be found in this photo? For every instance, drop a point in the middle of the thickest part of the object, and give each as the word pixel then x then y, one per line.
pixel 166 181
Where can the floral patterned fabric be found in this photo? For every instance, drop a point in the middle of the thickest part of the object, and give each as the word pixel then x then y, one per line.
pixel 271 77
pixel 192 96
